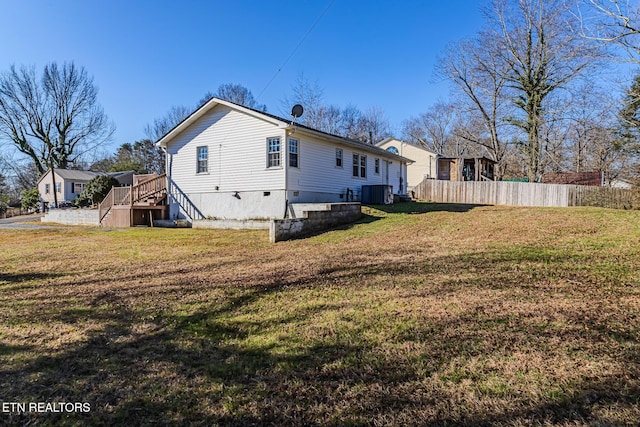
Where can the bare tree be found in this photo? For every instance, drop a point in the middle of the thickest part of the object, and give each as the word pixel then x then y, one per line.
pixel 612 21
pixel 433 129
pixel 311 97
pixel 480 75
pixel 373 125
pixel 235 93
pixel 53 118
pixel 350 118
pixel 543 55
pixel 161 126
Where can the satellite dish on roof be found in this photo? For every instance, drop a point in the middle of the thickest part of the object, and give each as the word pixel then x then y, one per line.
pixel 297 111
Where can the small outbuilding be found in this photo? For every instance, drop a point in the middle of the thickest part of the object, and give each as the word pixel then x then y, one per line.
pixel 466 169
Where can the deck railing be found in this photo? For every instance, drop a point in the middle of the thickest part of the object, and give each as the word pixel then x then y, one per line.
pixel 128 196
pixel 149 188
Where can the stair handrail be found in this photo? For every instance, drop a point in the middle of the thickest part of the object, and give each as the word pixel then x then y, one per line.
pixel 183 201
pixel 149 188
pixel 107 203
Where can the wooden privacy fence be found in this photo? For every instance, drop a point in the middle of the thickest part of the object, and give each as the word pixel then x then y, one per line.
pixel 524 194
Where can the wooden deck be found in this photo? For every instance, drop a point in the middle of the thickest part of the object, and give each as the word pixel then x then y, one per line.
pixel 139 204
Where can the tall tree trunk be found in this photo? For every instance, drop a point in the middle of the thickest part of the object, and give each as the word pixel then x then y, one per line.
pixel 55 191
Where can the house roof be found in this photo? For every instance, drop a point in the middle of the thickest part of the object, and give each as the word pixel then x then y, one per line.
pixel 120 174
pixel 79 175
pixel 73 175
pixel 391 139
pixel 467 158
pixel 276 120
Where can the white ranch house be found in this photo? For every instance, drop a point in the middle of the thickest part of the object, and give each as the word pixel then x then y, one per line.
pixel 226 161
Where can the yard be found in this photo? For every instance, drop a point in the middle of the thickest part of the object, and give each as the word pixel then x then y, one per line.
pixel 420 314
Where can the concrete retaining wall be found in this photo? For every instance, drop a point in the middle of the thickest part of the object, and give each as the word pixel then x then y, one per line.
pixel 314 221
pixel 73 216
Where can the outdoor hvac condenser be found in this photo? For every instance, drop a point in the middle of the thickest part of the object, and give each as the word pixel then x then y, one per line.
pixel 377 194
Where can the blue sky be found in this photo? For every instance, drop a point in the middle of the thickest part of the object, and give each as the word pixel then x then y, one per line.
pixel 146 56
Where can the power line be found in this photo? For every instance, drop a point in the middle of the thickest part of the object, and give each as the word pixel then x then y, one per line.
pixel 326 9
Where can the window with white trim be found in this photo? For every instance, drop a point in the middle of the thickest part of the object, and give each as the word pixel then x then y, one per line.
pixel 78 187
pixel 273 152
pixel 377 167
pixel 359 165
pixel 338 157
pixel 293 153
pixel 58 187
pixel 203 160
pixel 47 188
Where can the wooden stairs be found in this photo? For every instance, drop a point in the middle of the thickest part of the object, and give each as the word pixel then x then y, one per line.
pixel 139 204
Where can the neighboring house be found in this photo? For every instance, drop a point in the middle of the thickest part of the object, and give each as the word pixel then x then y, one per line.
pixel 619 183
pixel 424 165
pixel 232 162
pixel 593 179
pixel 466 169
pixel 70 183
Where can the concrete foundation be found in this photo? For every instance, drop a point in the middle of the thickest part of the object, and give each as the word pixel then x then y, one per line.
pixel 313 221
pixel 73 216
pixel 236 205
pixel 232 224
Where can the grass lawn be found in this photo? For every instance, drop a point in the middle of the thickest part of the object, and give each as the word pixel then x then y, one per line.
pixel 420 314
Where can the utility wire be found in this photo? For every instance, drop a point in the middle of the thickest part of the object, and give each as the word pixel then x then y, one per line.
pixel 326 9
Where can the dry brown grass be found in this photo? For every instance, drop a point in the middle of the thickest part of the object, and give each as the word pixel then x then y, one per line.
pixel 426 314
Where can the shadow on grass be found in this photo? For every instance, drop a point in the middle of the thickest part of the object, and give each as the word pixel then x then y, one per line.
pixel 424 207
pixel 25 277
pixel 224 364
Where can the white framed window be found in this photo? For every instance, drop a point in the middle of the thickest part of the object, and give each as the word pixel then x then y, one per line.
pixel 359 165
pixel 294 161
pixel 338 157
pixel 376 168
pixel 47 188
pixel 356 165
pixel 58 187
pixel 273 152
pixel 78 187
pixel 203 160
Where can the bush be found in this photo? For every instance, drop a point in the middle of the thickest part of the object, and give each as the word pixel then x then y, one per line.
pixel 29 199
pixel 97 189
pixel 4 204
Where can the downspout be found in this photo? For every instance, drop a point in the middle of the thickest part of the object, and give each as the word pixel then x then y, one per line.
pixel 285 157
pixel 167 173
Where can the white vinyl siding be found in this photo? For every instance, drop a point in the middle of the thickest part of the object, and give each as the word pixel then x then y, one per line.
pixel 321 174
pixel 424 165
pixel 236 147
